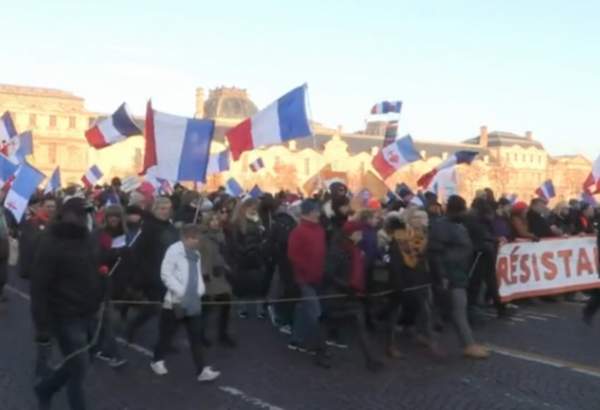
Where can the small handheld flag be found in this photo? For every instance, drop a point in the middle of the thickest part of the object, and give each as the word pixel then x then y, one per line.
pixel 113 129
pixel 255 192
pixel 257 165
pixel 24 185
pixel 391 133
pixel 393 157
pixel 233 188
pixel 546 190
pixel 386 107
pixel 284 120
pixel 92 176
pixel 54 182
pixel 7 128
pixel 459 157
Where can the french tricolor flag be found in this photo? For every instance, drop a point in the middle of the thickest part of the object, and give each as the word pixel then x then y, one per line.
pixel 592 182
pixel 283 120
pixel 546 190
pixel 459 157
pixel 178 147
pixel 233 188
pixel 257 165
pixel 391 158
pixel 7 128
pixel 113 129
pixel 386 107
pixel 24 185
pixel 92 176
pixel 218 163
pixel 255 192
pixel 54 183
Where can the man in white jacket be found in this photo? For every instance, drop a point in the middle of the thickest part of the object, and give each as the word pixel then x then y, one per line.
pixel 181 273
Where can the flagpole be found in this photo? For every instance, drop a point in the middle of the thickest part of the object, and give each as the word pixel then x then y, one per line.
pixel 314 140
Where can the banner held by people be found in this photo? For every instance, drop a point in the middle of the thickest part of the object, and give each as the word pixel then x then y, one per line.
pixel 284 120
pixel 547 267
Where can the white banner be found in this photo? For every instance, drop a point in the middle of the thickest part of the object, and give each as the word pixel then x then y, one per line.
pixel 548 267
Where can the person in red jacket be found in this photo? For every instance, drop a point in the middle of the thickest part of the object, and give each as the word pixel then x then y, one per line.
pixel 306 252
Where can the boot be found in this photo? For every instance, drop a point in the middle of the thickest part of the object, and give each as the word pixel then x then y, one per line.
pixel 476 351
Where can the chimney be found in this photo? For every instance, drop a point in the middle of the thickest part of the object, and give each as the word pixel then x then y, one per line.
pixel 483 136
pixel 199 102
pixel 529 135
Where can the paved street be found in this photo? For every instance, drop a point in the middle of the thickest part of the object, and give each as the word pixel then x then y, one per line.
pixel 545 358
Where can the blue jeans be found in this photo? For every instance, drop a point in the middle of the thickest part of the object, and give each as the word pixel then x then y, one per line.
pixel 71 335
pixel 306 318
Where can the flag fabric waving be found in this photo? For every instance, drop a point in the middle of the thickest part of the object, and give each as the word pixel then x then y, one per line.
pixel 179 147
pixel 113 129
pixel 233 188
pixel 386 107
pixel 255 192
pixel 257 165
pixel 546 190
pixel 393 157
pixel 459 157
pixel 54 182
pixel 24 185
pixel 391 133
pixel 19 146
pixel 283 120
pixel 7 128
pixel 7 169
pixel 592 182
pixel 217 163
pixel 92 176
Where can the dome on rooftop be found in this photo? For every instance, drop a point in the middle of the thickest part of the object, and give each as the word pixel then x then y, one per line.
pixel 229 102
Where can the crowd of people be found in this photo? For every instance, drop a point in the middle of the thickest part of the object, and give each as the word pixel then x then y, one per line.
pixel 314 267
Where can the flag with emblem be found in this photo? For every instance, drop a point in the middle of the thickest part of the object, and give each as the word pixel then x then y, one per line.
pixel 393 157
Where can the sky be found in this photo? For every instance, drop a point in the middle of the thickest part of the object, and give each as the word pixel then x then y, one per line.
pixel 456 65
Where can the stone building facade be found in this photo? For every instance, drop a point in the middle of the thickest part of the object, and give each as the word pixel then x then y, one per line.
pixel 507 162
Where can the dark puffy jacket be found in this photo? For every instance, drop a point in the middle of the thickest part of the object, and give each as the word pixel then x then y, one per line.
pixel 538 225
pixel 282 226
pixel 30 232
pixel 149 251
pixel 65 282
pixel 450 251
pixel 248 247
pixel 403 276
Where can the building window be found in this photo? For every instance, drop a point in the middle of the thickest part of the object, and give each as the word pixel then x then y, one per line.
pixel 306 166
pixel 53 121
pixel 516 157
pixel 531 158
pixel 32 120
pixel 72 122
pixel 52 153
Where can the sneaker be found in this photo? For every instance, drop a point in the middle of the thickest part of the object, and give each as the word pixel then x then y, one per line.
pixel 476 351
pixel 104 357
pixel 337 344
pixel 117 362
pixel 261 314
pixel 242 314
pixel 159 368
pixel 208 375
pixel 286 330
pixel 296 347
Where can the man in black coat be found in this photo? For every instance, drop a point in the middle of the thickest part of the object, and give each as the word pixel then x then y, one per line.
pixel 65 297
pixel 158 233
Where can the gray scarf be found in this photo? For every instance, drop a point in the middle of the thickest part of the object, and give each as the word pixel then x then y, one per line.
pixel 191 303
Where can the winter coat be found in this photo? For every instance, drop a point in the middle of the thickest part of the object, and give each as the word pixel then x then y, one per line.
pixel 248 246
pixel 175 274
pixel 538 225
pixel 450 251
pixel 150 249
pixel 214 268
pixel 306 250
pixel 502 228
pixel 30 232
pixel 408 262
pixel 65 282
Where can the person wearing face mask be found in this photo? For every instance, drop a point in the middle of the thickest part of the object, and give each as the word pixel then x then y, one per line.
pixel 451 257
pixel 247 249
pixel 65 297
pixel 345 274
pixel 157 235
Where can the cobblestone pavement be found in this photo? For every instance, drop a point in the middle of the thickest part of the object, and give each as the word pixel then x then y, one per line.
pixel 545 358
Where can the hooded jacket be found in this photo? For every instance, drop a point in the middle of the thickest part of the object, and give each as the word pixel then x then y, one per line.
pixel 65 281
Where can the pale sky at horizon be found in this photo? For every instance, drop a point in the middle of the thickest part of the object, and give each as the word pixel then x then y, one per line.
pixel 511 65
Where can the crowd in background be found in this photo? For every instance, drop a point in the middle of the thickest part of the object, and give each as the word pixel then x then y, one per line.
pixel 320 266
